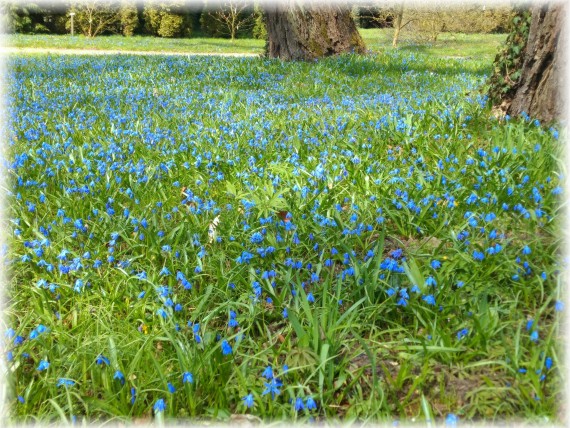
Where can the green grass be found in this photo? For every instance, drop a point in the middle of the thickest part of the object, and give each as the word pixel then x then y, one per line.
pixel 345 180
pixel 138 43
pixel 483 46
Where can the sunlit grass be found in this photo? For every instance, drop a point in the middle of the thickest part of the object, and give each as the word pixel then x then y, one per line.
pixel 351 239
pixel 481 46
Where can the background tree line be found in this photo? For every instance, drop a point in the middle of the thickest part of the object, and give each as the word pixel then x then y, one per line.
pixel 170 18
pixel 237 18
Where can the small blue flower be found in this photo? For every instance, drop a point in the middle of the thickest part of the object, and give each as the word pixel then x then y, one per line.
pixel 548 363
pixel 462 333
pixel 248 400
pixel 65 382
pixel 21 399
pixel 310 403
pixel 435 264
pixel 102 360
pixel 159 406
pixel 310 298
pixel 559 306
pixel 133 395
pixel 267 373
pixel 226 348
pixel 451 420
pixel 429 299
pixel 119 375
pixel 430 281
pixel 272 388
pixel 299 405
pixel 171 388
pixel 44 364
pixel 534 336
pixel 526 250
pixel 478 255
pixel 187 377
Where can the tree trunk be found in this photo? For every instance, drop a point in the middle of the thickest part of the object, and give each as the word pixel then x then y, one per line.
pixel 539 91
pixel 308 31
pixel 398 25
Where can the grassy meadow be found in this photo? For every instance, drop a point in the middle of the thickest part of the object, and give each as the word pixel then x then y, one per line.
pixel 229 239
pixel 377 40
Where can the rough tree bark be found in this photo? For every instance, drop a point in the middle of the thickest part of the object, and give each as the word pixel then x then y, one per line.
pixel 539 92
pixel 308 31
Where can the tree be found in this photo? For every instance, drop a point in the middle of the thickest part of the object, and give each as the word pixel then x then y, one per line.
pixel 307 31
pixel 233 15
pixel 94 17
pixel 259 30
pixel 17 19
pixel 539 90
pixel 128 17
pixel 535 86
pixel 427 21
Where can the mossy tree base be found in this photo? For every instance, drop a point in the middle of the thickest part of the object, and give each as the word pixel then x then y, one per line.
pixel 306 32
pixel 539 92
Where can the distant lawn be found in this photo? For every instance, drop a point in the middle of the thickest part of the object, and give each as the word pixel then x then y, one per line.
pixel 482 46
pixel 138 43
pixel 454 45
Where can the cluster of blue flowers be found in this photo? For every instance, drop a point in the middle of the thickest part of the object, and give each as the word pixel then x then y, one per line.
pixel 138 191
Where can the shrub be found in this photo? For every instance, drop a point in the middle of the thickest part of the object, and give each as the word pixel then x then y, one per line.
pixel 128 17
pixel 166 19
pixel 259 30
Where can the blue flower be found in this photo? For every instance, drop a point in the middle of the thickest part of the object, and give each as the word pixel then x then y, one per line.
pixel 462 333
pixel 435 264
pixel 310 298
pixel 451 420
pixel 133 395
pixel 534 336
pixel 102 360
pixel 171 388
pixel 429 299
pixel 526 250
pixel 245 257
pixel 558 306
pixel 478 255
pixel 119 375
pixel 65 382
pixel 267 373
pixel 44 364
pixel 272 387
pixel 226 348
pixel 310 403
pixel 256 238
pixel 248 400
pixel 548 363
pixel 430 281
pixel 299 404
pixel 187 377
pixel 159 406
